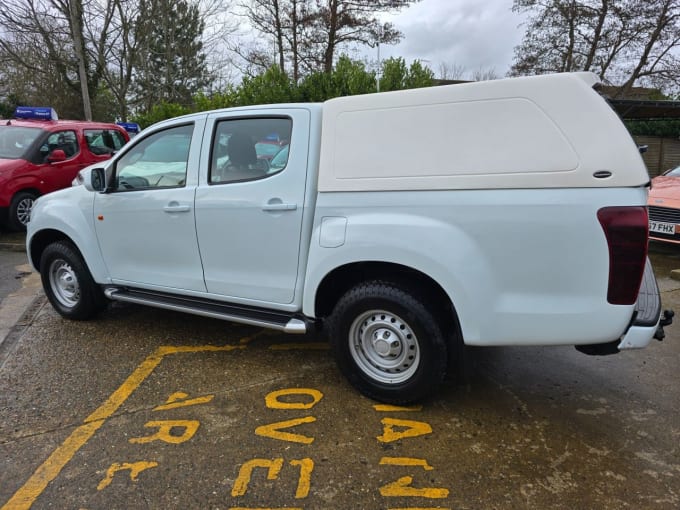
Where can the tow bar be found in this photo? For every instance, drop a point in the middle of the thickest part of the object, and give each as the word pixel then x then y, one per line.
pixel 666 320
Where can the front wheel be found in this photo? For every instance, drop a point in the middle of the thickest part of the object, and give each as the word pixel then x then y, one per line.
pixel 387 343
pixel 20 210
pixel 68 283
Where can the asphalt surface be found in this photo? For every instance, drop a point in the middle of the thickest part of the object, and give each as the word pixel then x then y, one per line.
pixel 145 408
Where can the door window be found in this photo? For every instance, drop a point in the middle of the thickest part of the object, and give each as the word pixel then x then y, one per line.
pixel 157 161
pixel 66 141
pixel 104 141
pixel 249 149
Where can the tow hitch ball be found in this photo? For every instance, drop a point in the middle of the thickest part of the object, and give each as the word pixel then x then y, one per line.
pixel 666 320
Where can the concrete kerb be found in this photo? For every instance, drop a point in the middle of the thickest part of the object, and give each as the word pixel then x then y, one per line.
pixel 17 306
pixel 13 241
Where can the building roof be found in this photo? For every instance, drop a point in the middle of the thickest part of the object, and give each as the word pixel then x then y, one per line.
pixel 632 109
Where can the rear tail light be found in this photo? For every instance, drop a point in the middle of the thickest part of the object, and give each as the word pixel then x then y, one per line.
pixel 627 232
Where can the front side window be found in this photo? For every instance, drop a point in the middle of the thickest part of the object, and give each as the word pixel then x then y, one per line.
pixel 158 161
pixel 66 141
pixel 104 141
pixel 249 149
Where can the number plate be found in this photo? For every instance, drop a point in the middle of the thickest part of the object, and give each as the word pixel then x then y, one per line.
pixel 662 228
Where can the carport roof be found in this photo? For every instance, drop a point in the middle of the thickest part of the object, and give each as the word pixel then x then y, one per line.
pixel 633 109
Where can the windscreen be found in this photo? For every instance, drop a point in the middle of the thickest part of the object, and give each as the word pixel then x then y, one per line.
pixel 15 141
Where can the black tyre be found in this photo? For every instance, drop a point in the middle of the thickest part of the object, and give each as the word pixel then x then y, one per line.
pixel 20 210
pixel 68 283
pixel 387 343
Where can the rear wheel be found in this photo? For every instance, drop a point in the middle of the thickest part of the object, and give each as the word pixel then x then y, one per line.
pixel 20 210
pixel 68 283
pixel 387 343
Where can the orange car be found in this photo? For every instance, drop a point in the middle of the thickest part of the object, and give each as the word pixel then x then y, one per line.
pixel 664 207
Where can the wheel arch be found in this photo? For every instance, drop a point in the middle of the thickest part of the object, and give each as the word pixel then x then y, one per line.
pixel 28 189
pixel 341 279
pixel 41 240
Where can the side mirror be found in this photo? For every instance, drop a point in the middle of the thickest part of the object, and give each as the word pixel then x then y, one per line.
pixel 94 179
pixel 56 156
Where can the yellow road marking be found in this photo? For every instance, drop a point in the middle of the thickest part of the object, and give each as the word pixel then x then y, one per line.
pixel 405 461
pixel 305 482
pixel 179 399
pixel 272 399
pixel 409 428
pixel 273 467
pixel 273 430
pixel 50 469
pixel 135 469
pixel 386 408
pixel 403 488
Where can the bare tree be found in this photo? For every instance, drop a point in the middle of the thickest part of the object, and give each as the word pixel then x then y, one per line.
pixel 624 41
pixel 451 71
pixel 307 34
pixel 484 74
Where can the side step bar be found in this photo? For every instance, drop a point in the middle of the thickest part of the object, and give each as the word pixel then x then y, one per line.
pixel 208 308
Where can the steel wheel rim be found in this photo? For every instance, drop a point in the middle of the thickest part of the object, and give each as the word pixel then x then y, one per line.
pixel 24 210
pixel 64 283
pixel 384 346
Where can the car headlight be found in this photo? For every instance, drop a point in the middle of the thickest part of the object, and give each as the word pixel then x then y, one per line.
pixel 78 181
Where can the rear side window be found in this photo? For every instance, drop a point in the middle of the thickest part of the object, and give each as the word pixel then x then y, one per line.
pixel 104 141
pixel 249 149
pixel 158 161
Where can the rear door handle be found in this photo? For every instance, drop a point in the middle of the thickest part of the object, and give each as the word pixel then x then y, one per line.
pixel 174 207
pixel 279 207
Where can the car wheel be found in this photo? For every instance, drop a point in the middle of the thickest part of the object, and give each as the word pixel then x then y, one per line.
pixel 68 283
pixel 20 210
pixel 387 343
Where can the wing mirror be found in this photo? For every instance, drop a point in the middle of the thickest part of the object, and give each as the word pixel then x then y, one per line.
pixel 56 156
pixel 94 179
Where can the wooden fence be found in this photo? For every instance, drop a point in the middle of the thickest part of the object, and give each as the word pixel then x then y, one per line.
pixel 662 153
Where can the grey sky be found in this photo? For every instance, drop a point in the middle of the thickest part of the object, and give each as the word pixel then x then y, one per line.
pixel 470 33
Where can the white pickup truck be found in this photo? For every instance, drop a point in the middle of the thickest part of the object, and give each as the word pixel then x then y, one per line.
pixel 407 224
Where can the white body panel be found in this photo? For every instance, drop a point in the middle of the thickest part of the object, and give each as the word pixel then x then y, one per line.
pixel 522 267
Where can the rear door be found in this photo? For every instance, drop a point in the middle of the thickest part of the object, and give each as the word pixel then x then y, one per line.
pixel 249 214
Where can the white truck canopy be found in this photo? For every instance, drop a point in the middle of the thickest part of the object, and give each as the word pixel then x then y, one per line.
pixel 550 131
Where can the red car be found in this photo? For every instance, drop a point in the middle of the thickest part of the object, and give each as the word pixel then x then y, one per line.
pixel 40 154
pixel 664 207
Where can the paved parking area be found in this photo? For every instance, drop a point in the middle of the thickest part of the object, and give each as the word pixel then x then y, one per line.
pixel 145 408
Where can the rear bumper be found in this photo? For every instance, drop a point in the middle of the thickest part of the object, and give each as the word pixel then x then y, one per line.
pixel 647 314
pixel 648 321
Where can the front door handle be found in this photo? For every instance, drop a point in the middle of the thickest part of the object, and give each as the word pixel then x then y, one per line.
pixel 174 207
pixel 278 206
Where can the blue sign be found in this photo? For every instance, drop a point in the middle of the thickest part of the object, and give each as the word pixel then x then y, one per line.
pixel 35 113
pixel 130 127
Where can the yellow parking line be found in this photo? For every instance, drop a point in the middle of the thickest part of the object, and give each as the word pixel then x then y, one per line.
pixel 51 468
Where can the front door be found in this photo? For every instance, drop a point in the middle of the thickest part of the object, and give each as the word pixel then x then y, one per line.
pixel 146 224
pixel 60 174
pixel 249 215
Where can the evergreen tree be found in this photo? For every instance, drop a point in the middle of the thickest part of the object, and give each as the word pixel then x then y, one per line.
pixel 172 65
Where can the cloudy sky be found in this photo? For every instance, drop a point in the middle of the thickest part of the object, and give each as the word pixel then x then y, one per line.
pixel 470 33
